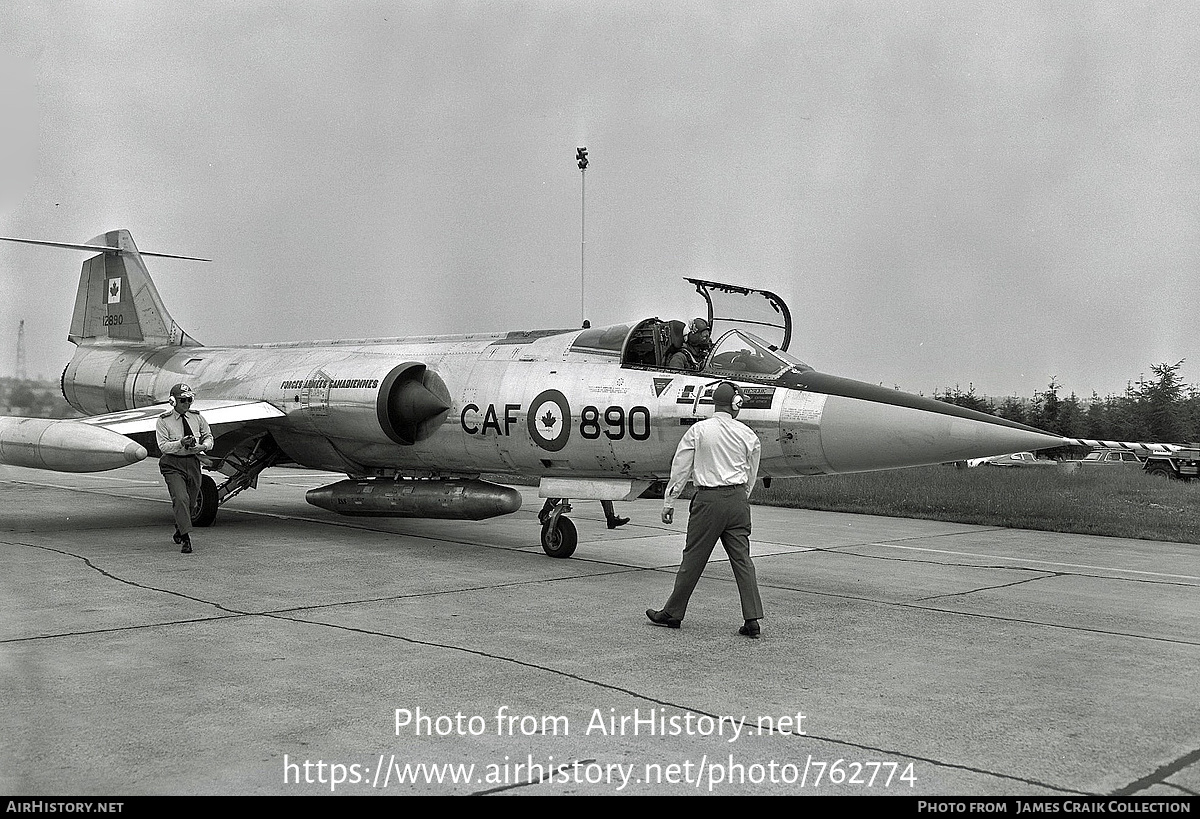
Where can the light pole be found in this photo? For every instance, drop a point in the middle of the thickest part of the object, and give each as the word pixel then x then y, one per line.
pixel 582 161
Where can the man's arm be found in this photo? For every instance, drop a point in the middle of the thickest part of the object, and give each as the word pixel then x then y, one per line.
pixel 755 456
pixel 681 469
pixel 204 441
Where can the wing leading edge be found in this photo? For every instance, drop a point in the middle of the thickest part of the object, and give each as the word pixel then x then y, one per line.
pixel 217 413
pixel 109 441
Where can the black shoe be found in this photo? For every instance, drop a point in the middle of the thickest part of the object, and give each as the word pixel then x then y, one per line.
pixel 187 544
pixel 613 523
pixel 750 630
pixel 178 538
pixel 661 618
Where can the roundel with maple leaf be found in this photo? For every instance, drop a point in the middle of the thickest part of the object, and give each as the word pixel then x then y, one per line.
pixel 549 420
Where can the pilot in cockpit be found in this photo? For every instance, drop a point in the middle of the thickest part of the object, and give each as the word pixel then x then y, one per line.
pixel 696 346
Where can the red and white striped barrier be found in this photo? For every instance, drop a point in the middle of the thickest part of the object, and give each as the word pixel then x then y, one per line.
pixel 1131 446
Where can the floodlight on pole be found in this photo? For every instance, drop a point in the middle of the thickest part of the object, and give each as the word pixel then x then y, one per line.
pixel 581 159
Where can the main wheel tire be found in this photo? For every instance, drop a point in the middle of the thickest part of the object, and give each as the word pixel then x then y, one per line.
pixel 205 511
pixel 560 540
pixel 1161 471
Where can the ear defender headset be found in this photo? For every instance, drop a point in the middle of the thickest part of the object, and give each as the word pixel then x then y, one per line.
pixel 180 391
pixel 728 393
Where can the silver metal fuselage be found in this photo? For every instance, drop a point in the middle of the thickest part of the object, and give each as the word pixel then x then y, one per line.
pixel 510 396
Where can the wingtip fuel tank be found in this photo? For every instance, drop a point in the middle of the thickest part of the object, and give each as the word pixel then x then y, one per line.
pixel 65 445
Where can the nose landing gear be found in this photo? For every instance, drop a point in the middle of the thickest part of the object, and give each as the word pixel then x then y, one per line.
pixel 559 537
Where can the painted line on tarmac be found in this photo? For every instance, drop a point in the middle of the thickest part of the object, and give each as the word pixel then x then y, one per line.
pixel 94 478
pixel 1042 562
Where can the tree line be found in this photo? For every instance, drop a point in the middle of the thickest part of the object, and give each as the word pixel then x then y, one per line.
pixel 1162 409
pixel 33 399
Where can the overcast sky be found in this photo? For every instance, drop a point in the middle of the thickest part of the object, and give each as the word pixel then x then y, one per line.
pixel 945 193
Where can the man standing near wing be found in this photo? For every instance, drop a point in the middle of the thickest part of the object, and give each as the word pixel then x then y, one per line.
pixel 182 434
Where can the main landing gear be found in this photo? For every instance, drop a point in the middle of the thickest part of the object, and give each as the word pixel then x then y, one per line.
pixel 205 510
pixel 243 466
pixel 559 537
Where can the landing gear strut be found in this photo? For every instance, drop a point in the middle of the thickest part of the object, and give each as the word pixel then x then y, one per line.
pixel 243 469
pixel 559 537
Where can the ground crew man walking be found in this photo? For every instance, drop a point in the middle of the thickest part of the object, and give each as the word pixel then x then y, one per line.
pixel 182 434
pixel 720 455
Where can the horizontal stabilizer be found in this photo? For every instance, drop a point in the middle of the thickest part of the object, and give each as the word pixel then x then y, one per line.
pixel 97 248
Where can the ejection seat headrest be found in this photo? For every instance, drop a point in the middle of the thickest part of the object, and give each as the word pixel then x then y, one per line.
pixel 675 330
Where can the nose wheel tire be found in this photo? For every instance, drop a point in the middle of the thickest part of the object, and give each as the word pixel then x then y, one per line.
pixel 559 537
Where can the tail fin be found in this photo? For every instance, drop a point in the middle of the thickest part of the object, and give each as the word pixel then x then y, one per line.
pixel 117 300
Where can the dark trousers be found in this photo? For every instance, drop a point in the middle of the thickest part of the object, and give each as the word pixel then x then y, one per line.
pixel 182 474
pixel 724 514
pixel 609 513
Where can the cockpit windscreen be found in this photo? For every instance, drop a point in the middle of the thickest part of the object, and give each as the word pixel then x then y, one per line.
pixel 739 352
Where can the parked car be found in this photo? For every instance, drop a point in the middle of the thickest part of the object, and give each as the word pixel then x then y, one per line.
pixel 1018 460
pixel 1181 464
pixel 1110 457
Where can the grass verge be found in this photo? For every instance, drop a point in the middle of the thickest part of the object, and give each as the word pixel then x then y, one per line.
pixel 1113 502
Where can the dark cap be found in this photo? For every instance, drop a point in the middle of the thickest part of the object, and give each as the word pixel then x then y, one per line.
pixel 726 394
pixel 182 391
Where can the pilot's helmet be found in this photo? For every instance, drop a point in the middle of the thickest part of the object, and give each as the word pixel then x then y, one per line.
pixel 181 392
pixel 699 332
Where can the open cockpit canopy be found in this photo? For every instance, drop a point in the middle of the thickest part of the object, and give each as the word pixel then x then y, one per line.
pixel 751 329
pixel 759 312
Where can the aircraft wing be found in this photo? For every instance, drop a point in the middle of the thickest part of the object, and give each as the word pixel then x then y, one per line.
pixel 217 413
pixel 107 441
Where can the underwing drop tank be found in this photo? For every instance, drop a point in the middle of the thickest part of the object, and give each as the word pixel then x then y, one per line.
pixel 65 445
pixel 444 499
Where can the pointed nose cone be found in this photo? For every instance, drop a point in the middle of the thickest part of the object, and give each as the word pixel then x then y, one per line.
pixel 862 435
pixel 416 404
pixel 840 425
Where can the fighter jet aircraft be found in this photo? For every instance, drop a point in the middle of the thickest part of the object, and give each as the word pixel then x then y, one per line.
pixel 414 422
